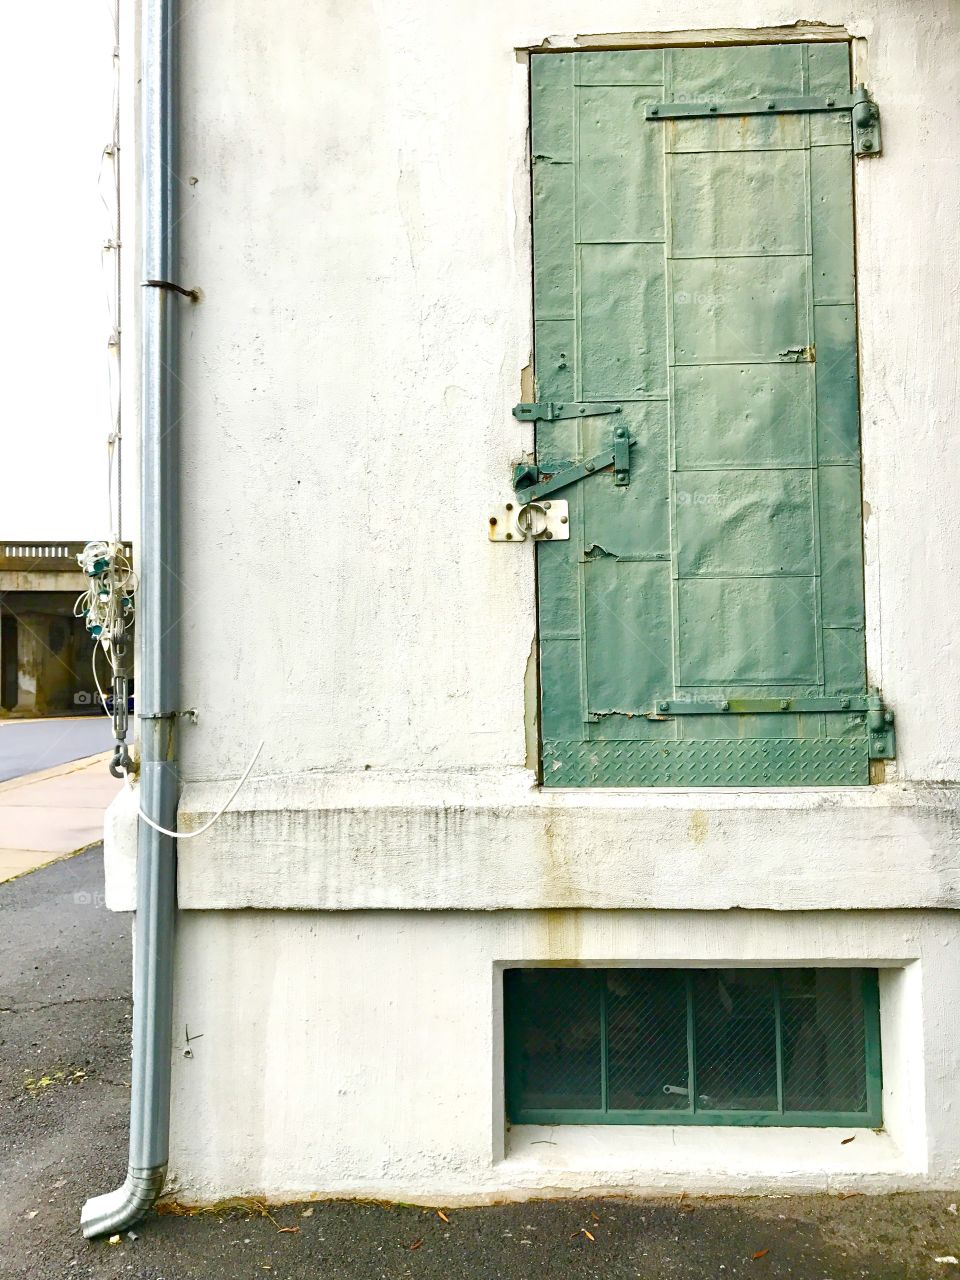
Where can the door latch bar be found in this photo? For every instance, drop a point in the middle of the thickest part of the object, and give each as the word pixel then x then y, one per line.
pixel 864 112
pixel 879 720
pixel 529 486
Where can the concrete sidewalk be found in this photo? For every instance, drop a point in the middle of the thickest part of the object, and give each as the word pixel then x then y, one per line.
pixel 48 815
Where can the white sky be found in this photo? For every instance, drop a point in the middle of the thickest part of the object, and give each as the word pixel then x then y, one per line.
pixel 57 78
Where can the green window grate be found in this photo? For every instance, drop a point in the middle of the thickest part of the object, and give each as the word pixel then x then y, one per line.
pixel 692 1046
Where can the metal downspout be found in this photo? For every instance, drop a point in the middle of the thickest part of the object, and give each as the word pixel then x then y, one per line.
pixel 158 631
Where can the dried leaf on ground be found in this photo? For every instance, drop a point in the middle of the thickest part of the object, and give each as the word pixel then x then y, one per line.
pixel 761 1253
pixel 442 1216
pixel 417 1244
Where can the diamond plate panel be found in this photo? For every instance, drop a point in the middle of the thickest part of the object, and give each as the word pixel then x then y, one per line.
pixel 750 762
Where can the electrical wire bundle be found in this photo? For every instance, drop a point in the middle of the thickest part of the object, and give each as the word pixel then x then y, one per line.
pixel 107 604
pixel 107 607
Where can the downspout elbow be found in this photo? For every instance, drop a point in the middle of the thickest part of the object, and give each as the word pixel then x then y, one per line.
pixel 117 1210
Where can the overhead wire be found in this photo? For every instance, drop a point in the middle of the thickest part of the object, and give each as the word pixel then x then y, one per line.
pixel 112 246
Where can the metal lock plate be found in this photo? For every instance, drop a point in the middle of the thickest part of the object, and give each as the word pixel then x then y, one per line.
pixel 547 521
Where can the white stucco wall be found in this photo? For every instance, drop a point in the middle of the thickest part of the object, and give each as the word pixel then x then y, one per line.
pixel 360 1054
pixel 360 232
pixel 355 210
pixel 358 222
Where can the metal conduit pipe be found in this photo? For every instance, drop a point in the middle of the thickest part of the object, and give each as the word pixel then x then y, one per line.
pixel 158 632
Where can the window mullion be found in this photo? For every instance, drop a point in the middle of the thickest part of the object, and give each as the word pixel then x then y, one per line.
pixel 778 1017
pixel 691 1046
pixel 604 1048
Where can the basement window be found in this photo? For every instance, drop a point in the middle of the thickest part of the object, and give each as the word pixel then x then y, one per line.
pixel 692 1046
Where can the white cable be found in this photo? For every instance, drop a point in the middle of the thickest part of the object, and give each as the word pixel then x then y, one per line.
pixel 96 681
pixel 179 835
pixel 188 835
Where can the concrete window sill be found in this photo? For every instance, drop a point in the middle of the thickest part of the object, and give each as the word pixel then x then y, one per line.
pixel 702 1160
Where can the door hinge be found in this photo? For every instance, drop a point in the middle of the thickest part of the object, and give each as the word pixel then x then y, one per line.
pixel 879 720
pixel 865 113
pixel 880 727
pixel 866 123
pixel 551 411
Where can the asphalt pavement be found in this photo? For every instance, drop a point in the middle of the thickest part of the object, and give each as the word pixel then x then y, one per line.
pixel 27 746
pixel 64 1079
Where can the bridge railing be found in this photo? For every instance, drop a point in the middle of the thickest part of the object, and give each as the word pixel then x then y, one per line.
pixel 41 557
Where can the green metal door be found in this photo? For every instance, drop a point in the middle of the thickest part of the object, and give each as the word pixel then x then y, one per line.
pixel 704 624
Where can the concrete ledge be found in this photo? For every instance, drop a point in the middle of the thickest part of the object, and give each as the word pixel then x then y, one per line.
pixel 580 1161
pixel 493 841
pixel 704 1160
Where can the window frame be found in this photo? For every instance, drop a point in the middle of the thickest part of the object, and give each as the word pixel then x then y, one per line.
pixel 871 1118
